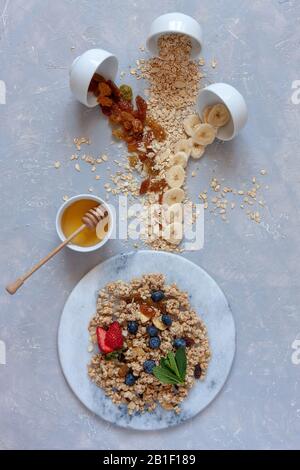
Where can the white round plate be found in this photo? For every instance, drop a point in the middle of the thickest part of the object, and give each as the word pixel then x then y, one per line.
pixel 206 298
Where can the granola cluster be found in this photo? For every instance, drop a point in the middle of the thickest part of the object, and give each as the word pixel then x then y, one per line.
pixel 124 302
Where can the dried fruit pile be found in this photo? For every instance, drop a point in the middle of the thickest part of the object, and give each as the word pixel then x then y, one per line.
pixel 152 345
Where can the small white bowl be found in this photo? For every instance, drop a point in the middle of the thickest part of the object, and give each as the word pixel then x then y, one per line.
pixel 176 23
pixel 233 100
pixel 60 233
pixel 84 67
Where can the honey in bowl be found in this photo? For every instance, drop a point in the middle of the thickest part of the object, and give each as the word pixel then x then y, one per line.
pixel 72 219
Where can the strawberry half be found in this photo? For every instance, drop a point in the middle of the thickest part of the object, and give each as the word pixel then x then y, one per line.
pixel 101 338
pixel 114 338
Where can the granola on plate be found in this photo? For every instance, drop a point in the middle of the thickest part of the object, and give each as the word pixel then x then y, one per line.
pixel 152 344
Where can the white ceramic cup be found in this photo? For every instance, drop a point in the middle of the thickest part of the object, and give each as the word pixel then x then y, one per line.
pixel 84 67
pixel 233 100
pixel 177 23
pixel 60 233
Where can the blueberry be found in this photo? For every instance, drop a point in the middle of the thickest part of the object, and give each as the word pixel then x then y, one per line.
pixel 179 343
pixel 154 342
pixel 149 366
pixel 157 295
pixel 166 319
pixel 132 327
pixel 152 330
pixel 130 379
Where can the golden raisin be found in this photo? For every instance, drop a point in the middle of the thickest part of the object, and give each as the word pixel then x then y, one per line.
pixel 105 101
pixel 144 186
pixel 157 129
pixel 146 310
pixel 104 89
pixel 133 160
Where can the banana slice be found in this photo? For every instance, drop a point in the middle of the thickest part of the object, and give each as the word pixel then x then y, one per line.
pixel 190 123
pixel 172 196
pixel 159 324
pixel 175 176
pixel 206 112
pixel 180 158
pixel 197 150
pixel 174 213
pixel 204 134
pixel 173 233
pixel 183 145
pixel 102 228
pixel 218 115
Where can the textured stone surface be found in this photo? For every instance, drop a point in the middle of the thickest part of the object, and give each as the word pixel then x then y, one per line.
pixel 257 47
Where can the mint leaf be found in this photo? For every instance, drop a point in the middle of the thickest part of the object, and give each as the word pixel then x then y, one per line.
pixel 180 358
pixel 165 376
pixel 172 364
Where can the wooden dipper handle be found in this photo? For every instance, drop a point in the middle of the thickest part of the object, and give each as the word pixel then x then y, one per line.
pixel 14 286
pixel 90 220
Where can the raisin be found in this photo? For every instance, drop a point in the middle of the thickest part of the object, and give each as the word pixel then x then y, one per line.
pixel 142 157
pixel 127 125
pixel 133 160
pixel 126 92
pixel 189 341
pixel 144 186
pixel 132 147
pixel 158 186
pixel 197 371
pixel 137 126
pixel 105 101
pixel 157 129
pixel 118 133
pixel 114 89
pixel 125 105
pixel 104 89
pixel 141 108
pixel 146 310
pixel 123 370
pixel 126 116
pixel 114 118
pixel 106 111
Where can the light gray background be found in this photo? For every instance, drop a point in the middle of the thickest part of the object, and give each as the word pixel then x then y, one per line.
pixel 257 48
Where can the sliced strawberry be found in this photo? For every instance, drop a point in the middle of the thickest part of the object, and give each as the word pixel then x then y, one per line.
pixel 114 338
pixel 101 338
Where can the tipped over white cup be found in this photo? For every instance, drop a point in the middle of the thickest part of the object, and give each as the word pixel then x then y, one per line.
pixel 84 67
pixel 234 102
pixel 176 23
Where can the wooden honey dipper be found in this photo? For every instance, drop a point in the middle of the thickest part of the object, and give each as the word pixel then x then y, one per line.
pixel 90 220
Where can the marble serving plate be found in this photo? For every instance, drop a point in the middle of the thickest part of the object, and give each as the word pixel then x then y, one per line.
pixel 205 297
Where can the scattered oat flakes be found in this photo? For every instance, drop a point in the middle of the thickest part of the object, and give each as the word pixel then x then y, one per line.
pixel 65 198
pixel 77 167
pixel 214 63
pixel 78 141
pixel 57 164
